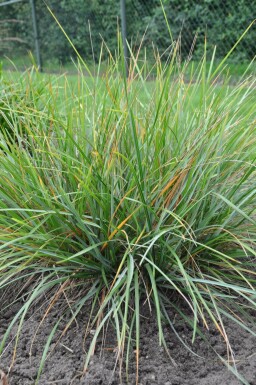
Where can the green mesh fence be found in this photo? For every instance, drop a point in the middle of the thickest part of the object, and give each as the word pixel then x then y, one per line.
pixel 90 22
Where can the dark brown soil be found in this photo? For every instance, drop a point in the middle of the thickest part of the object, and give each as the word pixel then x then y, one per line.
pixel 64 366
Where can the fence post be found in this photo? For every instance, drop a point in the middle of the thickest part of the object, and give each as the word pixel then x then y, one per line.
pixel 124 35
pixel 36 37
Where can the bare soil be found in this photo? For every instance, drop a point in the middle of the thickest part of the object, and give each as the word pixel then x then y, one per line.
pixel 64 365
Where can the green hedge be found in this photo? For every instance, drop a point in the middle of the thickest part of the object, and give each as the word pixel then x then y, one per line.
pixel 223 21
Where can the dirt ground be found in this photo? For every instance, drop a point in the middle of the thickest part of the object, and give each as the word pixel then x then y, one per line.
pixel 64 366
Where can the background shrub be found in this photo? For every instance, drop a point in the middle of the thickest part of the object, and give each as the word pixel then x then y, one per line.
pixel 223 22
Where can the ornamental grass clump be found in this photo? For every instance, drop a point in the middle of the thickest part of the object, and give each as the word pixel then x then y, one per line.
pixel 138 192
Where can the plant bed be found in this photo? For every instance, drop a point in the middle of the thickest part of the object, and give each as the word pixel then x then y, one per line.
pixel 66 358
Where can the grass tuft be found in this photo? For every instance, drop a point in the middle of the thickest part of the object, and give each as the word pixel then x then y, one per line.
pixel 139 192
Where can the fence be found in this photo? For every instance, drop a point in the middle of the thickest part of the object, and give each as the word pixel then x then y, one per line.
pixel 90 22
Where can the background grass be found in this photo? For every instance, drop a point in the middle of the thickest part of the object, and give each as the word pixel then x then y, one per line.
pixel 15 64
